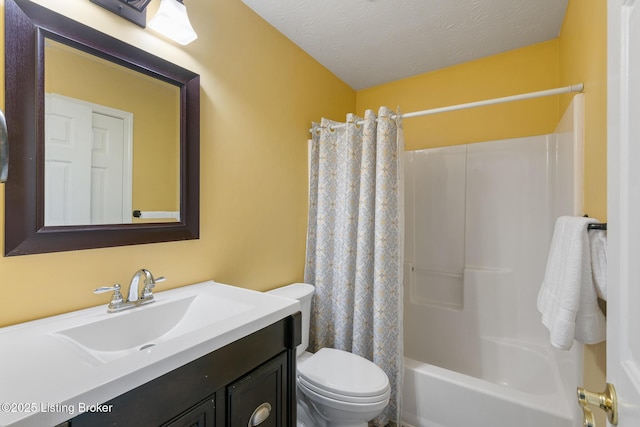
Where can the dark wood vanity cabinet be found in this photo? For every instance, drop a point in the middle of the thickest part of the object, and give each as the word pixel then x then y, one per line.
pixel 249 382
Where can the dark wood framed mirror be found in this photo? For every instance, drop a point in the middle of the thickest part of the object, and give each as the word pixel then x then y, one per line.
pixel 33 199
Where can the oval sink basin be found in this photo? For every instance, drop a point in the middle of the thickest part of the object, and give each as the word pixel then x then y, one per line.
pixel 120 334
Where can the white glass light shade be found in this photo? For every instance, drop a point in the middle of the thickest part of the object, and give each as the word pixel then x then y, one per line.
pixel 172 21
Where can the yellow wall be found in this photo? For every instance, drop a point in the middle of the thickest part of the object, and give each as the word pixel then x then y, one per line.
pixel 259 93
pixel 578 55
pixel 523 70
pixel 583 57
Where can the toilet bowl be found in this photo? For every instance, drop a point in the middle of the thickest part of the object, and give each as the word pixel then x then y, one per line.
pixel 342 389
pixel 335 388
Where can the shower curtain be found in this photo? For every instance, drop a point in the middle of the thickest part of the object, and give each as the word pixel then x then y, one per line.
pixel 354 243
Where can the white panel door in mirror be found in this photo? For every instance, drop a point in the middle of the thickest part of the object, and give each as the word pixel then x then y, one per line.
pixel 88 176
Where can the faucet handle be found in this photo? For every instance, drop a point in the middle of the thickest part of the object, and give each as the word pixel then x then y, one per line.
pixel 147 292
pixel 103 289
pixel 116 299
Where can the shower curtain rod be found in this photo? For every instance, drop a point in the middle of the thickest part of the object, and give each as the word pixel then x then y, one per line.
pixel 558 91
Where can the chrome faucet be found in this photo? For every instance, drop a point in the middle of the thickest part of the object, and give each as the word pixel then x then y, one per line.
pixel 134 299
pixel 147 291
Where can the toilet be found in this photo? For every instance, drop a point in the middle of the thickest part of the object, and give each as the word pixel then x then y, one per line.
pixel 335 388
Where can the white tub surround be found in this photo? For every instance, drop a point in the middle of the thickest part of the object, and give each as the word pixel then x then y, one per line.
pixel 479 221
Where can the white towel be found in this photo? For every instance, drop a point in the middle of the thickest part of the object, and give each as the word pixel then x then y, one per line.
pixel 567 298
pixel 598 239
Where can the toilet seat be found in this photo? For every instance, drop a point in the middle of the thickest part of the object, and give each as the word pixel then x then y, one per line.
pixel 345 399
pixel 317 399
pixel 345 377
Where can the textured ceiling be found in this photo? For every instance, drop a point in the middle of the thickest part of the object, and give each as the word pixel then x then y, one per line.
pixel 370 42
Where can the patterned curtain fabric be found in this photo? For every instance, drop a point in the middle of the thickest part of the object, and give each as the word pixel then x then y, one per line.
pixel 354 243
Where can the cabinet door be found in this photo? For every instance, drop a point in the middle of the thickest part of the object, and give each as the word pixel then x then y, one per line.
pixel 202 415
pixel 258 398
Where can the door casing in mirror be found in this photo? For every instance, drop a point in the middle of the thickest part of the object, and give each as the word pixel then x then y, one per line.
pixel 27 26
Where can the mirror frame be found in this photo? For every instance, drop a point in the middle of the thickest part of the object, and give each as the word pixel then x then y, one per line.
pixel 26 26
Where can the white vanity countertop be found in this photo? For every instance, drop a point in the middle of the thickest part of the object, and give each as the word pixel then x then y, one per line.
pixel 46 380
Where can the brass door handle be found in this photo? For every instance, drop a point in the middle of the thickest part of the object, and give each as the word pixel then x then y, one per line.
pixel 607 401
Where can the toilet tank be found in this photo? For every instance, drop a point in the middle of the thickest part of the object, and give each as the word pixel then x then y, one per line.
pixel 302 292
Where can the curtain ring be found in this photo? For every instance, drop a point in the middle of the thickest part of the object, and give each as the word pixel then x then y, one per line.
pixel 398 117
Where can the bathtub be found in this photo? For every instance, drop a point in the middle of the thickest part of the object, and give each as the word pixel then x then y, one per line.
pixel 478 225
pixel 508 384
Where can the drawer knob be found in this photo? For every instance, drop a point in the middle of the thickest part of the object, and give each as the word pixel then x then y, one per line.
pixel 259 416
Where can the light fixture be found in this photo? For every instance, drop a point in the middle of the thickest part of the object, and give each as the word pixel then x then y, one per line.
pixel 172 21
pixel 132 10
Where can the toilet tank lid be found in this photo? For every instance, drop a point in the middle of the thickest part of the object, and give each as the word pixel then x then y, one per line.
pixel 295 291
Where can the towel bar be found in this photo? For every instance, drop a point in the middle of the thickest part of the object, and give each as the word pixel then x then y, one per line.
pixel 597 226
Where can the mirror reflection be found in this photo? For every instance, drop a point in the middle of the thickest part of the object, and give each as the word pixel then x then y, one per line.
pixel 112 142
